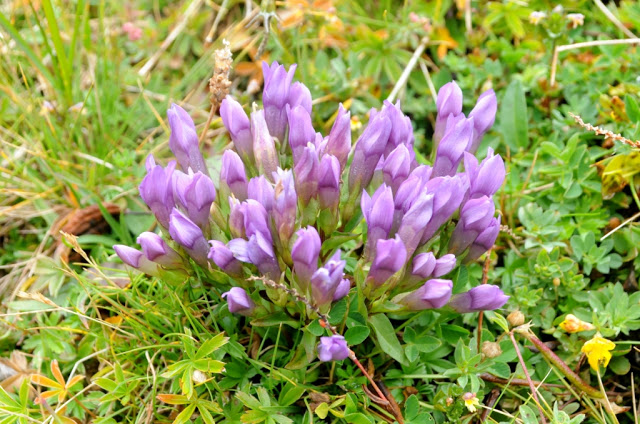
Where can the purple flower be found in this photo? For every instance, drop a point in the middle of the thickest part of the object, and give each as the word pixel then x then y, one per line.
pixel 136 259
pixel 183 141
pixel 339 143
pixel 475 216
pixel 256 219
pixel 485 297
pixel 326 280
pixel 484 241
pixel 307 173
pixel 239 301
pixel 377 213
pixel 390 257
pixel 237 123
pixel 423 266
pixel 196 193
pixel 415 221
pixel 448 193
pixel 396 167
pixel 433 294
pixel 401 129
pixel 157 250
pixel 236 218
pixel 285 205
pixel 484 115
pixel 449 102
pixel 275 96
pixel 342 290
pixel 329 182
pixel 224 258
pixel 452 147
pixel 261 190
pixel 484 179
pixel 156 190
pixel 304 254
pixel 369 148
pixel 299 95
pixel 332 348
pixel 233 176
pixel 260 252
pixel 188 235
pixel 444 265
pixel 301 131
pixel 264 148
pixel 240 249
pixel 408 192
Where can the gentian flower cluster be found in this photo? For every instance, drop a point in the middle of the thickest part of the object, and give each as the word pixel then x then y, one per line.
pixel 284 190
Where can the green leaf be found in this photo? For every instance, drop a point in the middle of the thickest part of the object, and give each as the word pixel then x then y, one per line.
pixel 387 337
pixel 290 394
pixel 620 365
pixel 631 106
pixel 211 345
pixel 185 415
pixel 322 410
pixel 275 319
pixel 105 383
pixel 513 116
pixel 357 334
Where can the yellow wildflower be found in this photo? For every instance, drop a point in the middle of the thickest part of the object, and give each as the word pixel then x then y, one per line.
pixel 576 19
pixel 537 17
pixel 597 351
pixel 471 401
pixel 355 123
pixel 573 324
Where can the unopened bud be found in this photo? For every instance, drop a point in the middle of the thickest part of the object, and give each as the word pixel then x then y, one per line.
pixel 515 318
pixel 556 282
pixel 198 377
pixel 491 349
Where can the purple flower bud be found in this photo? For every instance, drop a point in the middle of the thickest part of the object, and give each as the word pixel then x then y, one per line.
pixel 237 123
pixel 401 129
pixel 307 173
pixel 484 179
pixel 233 175
pixel 475 217
pixel 264 148
pixel 342 290
pixel 423 265
pixel 485 240
pixel 396 167
pixel 285 205
pixel 299 95
pixel 157 250
pixel 452 147
pixel 433 294
pixel 183 141
pixel 188 235
pixel 484 115
pixel 240 249
pixel 377 213
pixel 329 182
pixel 304 254
pixel 448 193
pixel 485 297
pixel 260 251
pixel 449 102
pixel 444 265
pixel 326 280
pixel 239 301
pixel 136 259
pixel 301 131
pixel 156 189
pixel 224 258
pixel 339 143
pixel 275 96
pixel 256 219
pixel 390 257
pixel 415 221
pixel 369 148
pixel 261 191
pixel 236 218
pixel 196 193
pixel 333 348
pixel 408 192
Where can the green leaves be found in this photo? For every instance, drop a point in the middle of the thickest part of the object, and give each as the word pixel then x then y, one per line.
pixel 387 338
pixel 514 120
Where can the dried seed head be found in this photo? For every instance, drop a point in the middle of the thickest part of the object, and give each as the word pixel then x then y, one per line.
pixel 219 83
pixel 491 349
pixel 515 318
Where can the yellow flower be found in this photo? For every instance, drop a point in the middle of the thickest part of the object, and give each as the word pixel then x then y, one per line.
pixel 573 324
pixel 471 401
pixel 597 351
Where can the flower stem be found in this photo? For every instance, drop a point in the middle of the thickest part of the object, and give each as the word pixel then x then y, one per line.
pixel 526 374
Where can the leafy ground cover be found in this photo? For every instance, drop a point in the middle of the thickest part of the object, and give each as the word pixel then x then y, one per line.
pixel 85 89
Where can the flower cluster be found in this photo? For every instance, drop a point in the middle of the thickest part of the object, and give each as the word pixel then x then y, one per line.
pixel 281 198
